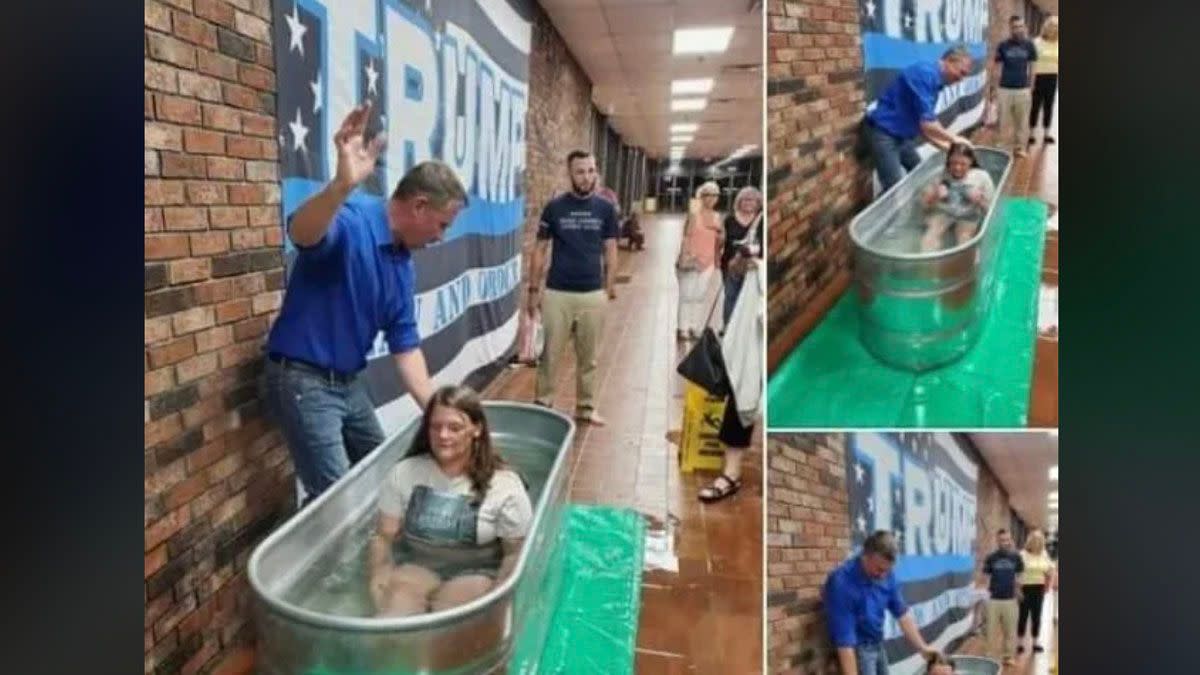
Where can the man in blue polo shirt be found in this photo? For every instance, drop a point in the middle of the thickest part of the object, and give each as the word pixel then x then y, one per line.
pixel 905 110
pixel 352 279
pixel 856 595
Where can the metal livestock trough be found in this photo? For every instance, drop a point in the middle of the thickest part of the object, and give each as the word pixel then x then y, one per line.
pixel 321 546
pixel 923 310
pixel 975 665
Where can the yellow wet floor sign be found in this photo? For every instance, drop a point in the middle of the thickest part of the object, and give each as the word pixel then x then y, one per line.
pixel 698 444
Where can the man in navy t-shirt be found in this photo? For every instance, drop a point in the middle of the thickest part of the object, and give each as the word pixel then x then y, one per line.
pixel 583 229
pixel 905 110
pixel 855 596
pixel 352 279
pixel 1014 61
pixel 1002 567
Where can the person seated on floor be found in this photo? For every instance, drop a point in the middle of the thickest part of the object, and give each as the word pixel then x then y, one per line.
pixel 959 200
pixel 452 514
pixel 632 230
pixel 939 664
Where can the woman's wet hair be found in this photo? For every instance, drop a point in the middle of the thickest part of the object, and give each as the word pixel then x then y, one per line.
pixel 964 150
pixel 938 659
pixel 484 459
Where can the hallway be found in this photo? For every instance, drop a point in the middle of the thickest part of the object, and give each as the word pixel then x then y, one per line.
pixel 704 616
pixel 1028 663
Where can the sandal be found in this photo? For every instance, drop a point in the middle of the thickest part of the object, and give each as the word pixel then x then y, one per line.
pixel 589 416
pixel 716 492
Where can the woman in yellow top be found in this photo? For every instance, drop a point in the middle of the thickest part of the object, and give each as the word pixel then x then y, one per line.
pixel 1038 573
pixel 1045 80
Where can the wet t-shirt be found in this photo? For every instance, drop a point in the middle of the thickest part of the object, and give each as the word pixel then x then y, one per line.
pixel 957 203
pixel 578 226
pixel 504 513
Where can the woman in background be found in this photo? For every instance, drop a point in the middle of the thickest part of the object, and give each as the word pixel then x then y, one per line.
pixel 737 248
pixel 697 259
pixel 1045 80
pixel 1037 576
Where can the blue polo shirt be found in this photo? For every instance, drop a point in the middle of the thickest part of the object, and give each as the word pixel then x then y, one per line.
pixel 854 604
pixel 346 288
pixel 909 100
pixel 578 226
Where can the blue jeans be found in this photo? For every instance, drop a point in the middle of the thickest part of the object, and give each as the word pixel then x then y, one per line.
pixel 893 156
pixel 732 288
pixel 872 660
pixel 328 425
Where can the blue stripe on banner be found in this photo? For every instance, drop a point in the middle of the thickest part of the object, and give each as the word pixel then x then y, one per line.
pixel 480 217
pixel 916 568
pixel 883 51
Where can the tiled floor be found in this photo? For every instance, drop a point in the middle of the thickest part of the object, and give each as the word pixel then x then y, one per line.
pixel 1028 663
pixel 707 616
pixel 1037 176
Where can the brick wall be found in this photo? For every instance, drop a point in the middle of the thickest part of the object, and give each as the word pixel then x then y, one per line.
pixel 558 121
pixel 808 534
pixel 814 103
pixel 992 512
pixel 215 477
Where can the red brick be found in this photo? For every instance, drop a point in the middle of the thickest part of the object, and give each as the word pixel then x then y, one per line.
pixel 234 310
pixel 185 218
pixel 250 284
pixel 157 16
pixel 262 171
pixel 267 302
pixel 192 320
pixel 206 192
pixel 161 136
pixel 252 27
pixel 161 77
pixel 242 97
pixel 256 77
pixel 265 216
pixel 232 506
pixel 205 456
pixel 166 246
pixel 149 107
pixel 214 338
pixel 227 217
pixel 215 291
pixel 274 238
pixel 221 117
pixel 193 30
pixel 158 381
pixel 158 330
pixel 246 194
pixel 210 649
pixel 199 86
pixel 217 11
pixel 247 148
pixel 177 109
pixel 204 142
pixel 217 65
pixel 204 411
pixel 225 168
pixel 251 328
pixel 247 239
pixel 209 243
pixel 161 430
pixel 171 618
pixel 264 57
pixel 221 424
pixel 176 165
pixel 196 367
pixel 159 192
pixel 167 526
pixel 172 352
pixel 152 167
pixel 166 48
pixel 155 560
pixel 239 353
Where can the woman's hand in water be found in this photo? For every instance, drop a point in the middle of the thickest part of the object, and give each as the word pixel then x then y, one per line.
pixel 380 588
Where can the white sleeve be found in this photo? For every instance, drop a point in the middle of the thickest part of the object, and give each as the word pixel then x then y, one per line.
pixel 395 491
pixel 515 515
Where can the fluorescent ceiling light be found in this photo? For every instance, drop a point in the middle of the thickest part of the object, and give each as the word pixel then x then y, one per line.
pixel 1054 473
pixel 1054 496
pixel 684 128
pixel 686 138
pixel 688 104
pixel 702 40
pixel 696 86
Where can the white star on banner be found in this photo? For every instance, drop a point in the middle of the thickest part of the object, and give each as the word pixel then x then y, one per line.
pixel 299 132
pixel 862 524
pixel 296 30
pixel 871 504
pixel 316 90
pixel 908 20
pixel 372 76
pixel 858 472
pixel 870 9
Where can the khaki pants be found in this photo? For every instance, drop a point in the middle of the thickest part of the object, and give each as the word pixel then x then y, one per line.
pixel 1002 619
pixel 1014 107
pixel 562 310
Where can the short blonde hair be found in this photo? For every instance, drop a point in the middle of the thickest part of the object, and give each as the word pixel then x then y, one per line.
pixel 1035 536
pixel 708 187
pixel 1052 22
